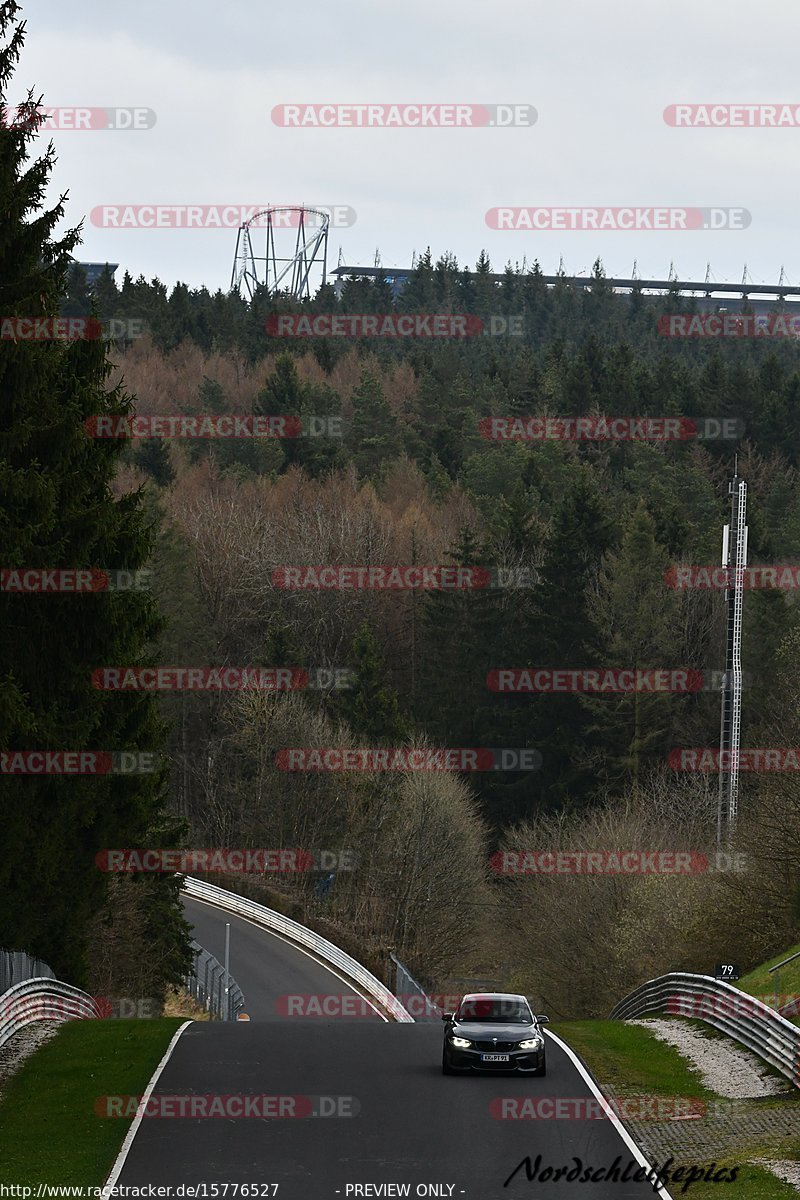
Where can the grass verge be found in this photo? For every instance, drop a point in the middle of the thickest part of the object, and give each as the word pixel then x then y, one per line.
pixel 632 1062
pixel 630 1059
pixel 754 1183
pixel 759 982
pixel 49 1130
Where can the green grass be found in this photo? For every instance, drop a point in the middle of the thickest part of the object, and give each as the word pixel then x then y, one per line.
pixel 49 1130
pixel 755 1183
pixel 631 1059
pixel 760 983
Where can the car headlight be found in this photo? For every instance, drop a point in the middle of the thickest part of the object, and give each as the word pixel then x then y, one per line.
pixel 530 1044
pixel 462 1043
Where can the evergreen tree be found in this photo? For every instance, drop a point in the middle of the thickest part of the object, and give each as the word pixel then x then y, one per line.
pixel 180 323
pixel 486 290
pixel 152 456
pixel 563 632
pixel 369 706
pixel 282 394
pixel 373 432
pixel 105 293
pixel 78 302
pixel 640 616
pixel 458 646
pixel 57 510
pixel 517 537
pixel 419 293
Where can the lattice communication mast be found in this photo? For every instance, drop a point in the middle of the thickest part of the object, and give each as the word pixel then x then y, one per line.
pixel 734 559
pixel 284 271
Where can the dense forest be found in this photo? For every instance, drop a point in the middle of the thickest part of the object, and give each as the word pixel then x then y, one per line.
pixel 581 536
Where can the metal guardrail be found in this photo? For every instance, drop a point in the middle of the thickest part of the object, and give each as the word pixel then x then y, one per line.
pixel 206 985
pixel 42 1000
pixel 276 922
pixel 406 985
pixel 735 1013
pixel 775 972
pixel 16 966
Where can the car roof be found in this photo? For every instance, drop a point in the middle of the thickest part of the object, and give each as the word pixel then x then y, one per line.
pixel 494 996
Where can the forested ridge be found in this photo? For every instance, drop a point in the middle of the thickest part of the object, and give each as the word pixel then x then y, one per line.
pixel 592 528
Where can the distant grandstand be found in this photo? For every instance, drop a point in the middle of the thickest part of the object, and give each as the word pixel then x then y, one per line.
pixel 730 297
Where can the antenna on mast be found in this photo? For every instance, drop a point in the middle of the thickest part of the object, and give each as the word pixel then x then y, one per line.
pixel 734 560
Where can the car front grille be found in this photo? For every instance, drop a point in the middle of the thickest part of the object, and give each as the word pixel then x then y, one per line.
pixel 491 1047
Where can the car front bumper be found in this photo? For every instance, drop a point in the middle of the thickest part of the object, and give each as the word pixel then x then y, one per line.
pixel 521 1061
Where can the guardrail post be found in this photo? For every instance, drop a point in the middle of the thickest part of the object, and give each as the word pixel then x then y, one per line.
pixel 227 1016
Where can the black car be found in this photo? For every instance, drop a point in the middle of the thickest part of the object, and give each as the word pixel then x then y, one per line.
pixel 493 1031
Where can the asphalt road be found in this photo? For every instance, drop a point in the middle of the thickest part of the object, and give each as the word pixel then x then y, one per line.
pixel 396 1119
pixel 266 968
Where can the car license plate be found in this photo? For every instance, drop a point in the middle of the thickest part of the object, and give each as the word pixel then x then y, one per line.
pixel 494 1058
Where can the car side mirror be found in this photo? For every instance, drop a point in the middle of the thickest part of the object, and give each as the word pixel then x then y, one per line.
pixel 447 1016
pixel 542 1019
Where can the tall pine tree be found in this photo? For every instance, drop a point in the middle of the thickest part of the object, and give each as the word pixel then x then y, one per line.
pixel 564 632
pixel 57 510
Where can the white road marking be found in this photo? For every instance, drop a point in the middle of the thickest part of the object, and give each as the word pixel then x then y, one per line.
pixel 119 1162
pixel 612 1116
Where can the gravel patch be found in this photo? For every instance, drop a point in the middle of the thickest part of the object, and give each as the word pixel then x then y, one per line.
pixel 789 1172
pixel 21 1046
pixel 725 1067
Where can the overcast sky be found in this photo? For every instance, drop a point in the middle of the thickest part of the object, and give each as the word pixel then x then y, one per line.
pixel 599 77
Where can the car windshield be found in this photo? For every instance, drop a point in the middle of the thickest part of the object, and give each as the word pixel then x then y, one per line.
pixel 515 1012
